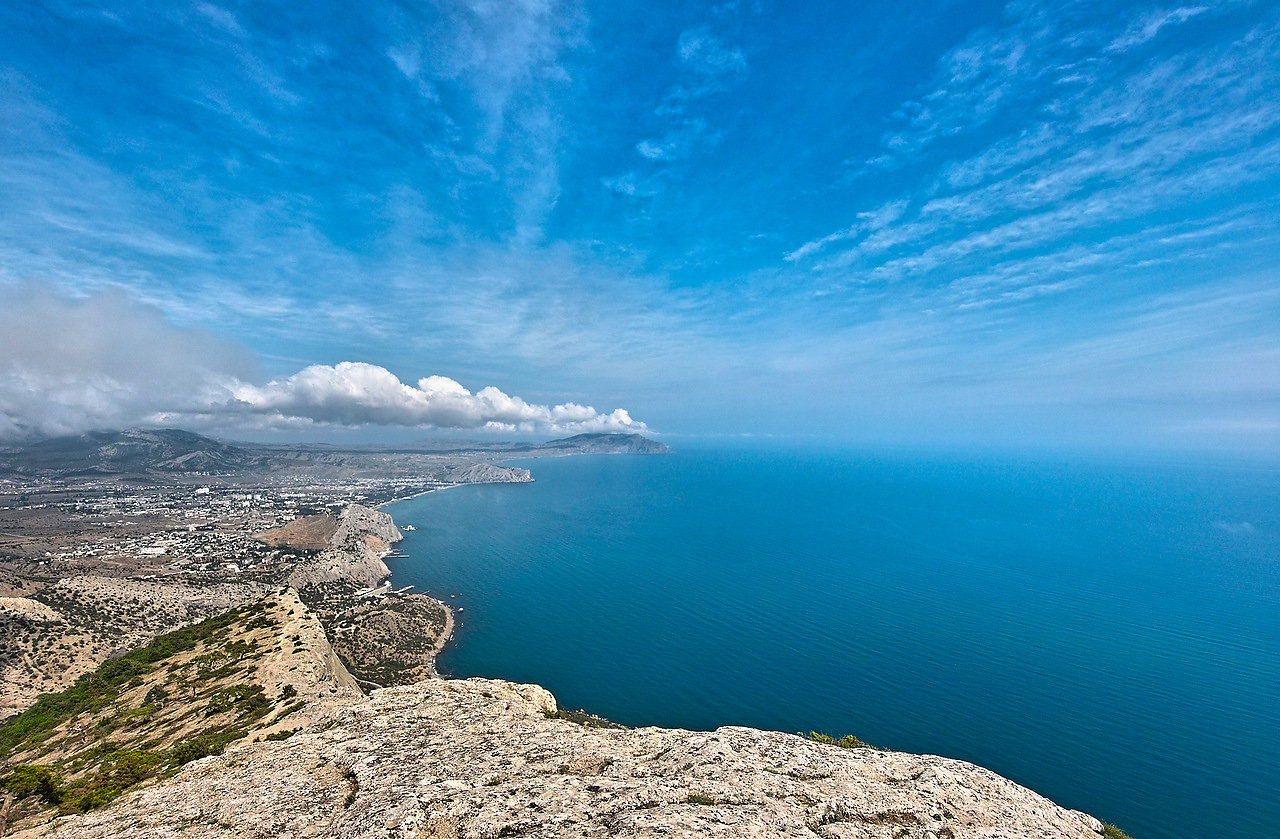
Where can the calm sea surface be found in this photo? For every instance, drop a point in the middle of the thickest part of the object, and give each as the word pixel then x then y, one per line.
pixel 1106 634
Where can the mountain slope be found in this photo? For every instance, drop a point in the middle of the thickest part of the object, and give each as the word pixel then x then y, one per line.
pixel 132 451
pixel 264 669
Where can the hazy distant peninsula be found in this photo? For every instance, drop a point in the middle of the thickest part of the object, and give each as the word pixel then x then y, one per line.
pixel 604 444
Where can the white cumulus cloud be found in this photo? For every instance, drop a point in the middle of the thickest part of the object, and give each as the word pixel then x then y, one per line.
pixel 355 393
pixel 106 361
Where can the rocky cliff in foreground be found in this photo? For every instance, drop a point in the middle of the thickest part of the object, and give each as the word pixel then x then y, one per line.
pixel 481 758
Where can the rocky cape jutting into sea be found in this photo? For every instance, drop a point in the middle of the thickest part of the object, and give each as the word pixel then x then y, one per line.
pixel 250 724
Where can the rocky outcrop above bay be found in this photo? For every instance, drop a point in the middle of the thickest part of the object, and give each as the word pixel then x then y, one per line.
pixel 487 473
pixel 482 758
pixel 354 559
pixel 358 522
pixel 340 570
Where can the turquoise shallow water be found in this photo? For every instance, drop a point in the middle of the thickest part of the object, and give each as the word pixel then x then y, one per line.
pixel 1105 633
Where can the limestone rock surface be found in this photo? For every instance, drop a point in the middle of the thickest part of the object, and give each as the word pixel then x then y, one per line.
pixel 24 608
pixel 342 567
pixel 362 537
pixel 480 758
pixel 488 473
pixel 358 521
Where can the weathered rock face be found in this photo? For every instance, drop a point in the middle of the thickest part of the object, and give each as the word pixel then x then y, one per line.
pixel 488 473
pixel 352 568
pixel 26 609
pixel 358 521
pixel 363 536
pixel 481 758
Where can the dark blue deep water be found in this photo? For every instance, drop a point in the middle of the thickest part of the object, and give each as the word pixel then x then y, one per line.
pixel 1105 633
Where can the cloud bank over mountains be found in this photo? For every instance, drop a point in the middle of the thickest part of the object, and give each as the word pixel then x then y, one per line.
pixel 107 362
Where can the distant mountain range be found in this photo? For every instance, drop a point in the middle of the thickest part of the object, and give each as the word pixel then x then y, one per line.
pixel 133 450
pixel 138 451
pixel 599 443
pixel 608 444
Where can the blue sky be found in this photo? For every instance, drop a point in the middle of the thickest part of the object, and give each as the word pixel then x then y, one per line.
pixel 946 223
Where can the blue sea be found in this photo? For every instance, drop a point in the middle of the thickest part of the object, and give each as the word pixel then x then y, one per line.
pixel 1106 632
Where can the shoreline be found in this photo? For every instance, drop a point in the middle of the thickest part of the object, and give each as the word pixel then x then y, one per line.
pixel 412 495
pixel 450 621
pixel 446 635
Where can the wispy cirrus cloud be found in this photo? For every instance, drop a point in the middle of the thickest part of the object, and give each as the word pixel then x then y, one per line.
pixel 1149 25
pixel 1087 144
pixel 712 64
pixel 708 65
pixel 508 59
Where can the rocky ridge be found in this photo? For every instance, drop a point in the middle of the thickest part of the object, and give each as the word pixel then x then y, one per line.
pixel 358 522
pixel 487 473
pixel 133 450
pixel 482 758
pixel 262 671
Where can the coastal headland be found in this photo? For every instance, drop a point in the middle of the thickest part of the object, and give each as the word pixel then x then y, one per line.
pixel 225 655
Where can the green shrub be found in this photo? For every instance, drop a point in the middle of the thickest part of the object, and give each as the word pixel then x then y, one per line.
pixel 239 649
pixel 156 696
pixel 581 717
pixel 846 742
pixel 27 780
pixel 699 798
pixel 119 771
pixel 212 660
pixel 1112 832
pixel 247 700
pixel 213 742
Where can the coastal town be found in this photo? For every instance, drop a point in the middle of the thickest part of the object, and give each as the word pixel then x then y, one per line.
pixel 177 529
pixel 115 540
